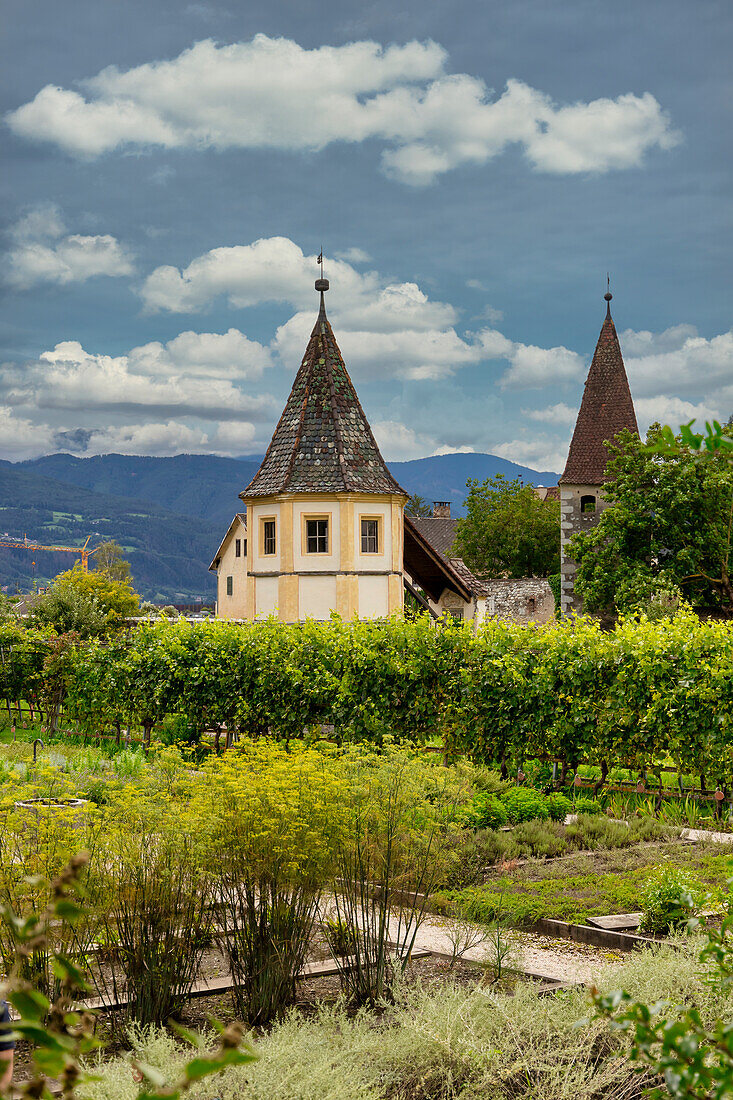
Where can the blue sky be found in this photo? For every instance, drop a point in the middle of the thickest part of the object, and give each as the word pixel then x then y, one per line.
pixel 472 171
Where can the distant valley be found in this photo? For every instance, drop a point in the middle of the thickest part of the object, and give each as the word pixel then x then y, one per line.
pixel 171 513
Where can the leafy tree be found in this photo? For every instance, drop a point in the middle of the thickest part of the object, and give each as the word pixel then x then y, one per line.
pixel 508 530
pixel 418 506
pixel 666 534
pixel 89 603
pixel 67 609
pixel 109 560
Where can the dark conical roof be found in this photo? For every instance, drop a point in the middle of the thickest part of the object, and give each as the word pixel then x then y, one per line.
pixel 323 442
pixel 606 409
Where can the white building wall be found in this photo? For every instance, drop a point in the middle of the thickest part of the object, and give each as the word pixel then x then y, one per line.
pixel 373 597
pixel 265 596
pixel 260 563
pixel 317 597
pixel 303 562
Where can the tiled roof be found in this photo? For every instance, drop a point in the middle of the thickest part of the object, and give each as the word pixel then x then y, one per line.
pixel 606 409
pixel 323 442
pixel 440 533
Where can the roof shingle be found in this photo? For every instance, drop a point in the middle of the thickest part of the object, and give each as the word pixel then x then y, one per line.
pixel 323 442
pixel 606 409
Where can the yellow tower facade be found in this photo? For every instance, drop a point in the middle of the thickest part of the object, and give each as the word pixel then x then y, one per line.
pixel 323 514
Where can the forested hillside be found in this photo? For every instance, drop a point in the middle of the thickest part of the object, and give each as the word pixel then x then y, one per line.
pixel 169 553
pixel 169 514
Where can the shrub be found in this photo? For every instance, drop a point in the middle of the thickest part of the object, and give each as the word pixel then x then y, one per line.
pixel 394 848
pixel 668 901
pixel 277 819
pixel 559 806
pixel 487 812
pixel 539 839
pixel 158 894
pixel 524 804
pixel 588 806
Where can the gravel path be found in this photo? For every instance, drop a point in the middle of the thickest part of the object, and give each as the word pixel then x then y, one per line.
pixel 561 960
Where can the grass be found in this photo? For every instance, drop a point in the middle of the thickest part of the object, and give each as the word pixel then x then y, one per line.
pixel 450 1043
pixel 585 885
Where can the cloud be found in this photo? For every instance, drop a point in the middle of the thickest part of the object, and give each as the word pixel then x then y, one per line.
pixel 540 452
pixel 561 414
pixel 398 443
pixel 44 253
pixel 531 366
pixel 272 93
pixel 677 360
pixel 674 411
pixel 21 437
pixel 70 378
pixel 354 256
pixel 203 355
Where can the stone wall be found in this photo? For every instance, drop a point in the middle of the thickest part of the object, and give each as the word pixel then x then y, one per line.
pixel 573 520
pixel 520 600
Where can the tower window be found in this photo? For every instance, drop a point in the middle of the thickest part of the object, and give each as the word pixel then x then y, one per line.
pixel 588 503
pixel 316 535
pixel 268 539
pixel 370 535
pixel 237 548
pixel 230 586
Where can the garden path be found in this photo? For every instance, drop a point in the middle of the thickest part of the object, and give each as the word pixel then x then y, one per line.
pixel 560 960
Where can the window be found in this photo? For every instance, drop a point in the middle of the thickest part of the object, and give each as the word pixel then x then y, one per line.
pixel 237 548
pixel 531 605
pixel 370 535
pixel 244 548
pixel 588 503
pixel 316 536
pixel 268 541
pixel 230 586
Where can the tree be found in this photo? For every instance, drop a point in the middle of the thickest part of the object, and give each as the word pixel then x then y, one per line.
pixel 666 533
pixel 508 530
pixel 109 560
pixel 418 506
pixel 90 603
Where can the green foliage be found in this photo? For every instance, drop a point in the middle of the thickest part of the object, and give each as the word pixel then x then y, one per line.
pixel 584 805
pixel 110 562
pixel 666 533
pixel 486 812
pixel 558 806
pixel 691 1050
pixel 525 804
pixel 66 609
pixel 418 506
pixel 508 530
pixel 90 603
pixel 645 692
pixel 59 1032
pixel 668 901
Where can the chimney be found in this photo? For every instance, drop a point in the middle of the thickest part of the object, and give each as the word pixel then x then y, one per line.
pixel 441 508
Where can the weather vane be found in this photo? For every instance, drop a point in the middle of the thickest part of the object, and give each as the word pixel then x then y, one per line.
pixel 320 260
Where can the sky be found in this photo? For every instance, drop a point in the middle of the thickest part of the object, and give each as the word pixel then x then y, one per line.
pixel 472 171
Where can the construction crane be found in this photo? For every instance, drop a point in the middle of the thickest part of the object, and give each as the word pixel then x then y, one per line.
pixel 26 544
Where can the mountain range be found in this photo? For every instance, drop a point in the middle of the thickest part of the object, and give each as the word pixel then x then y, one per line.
pixel 169 514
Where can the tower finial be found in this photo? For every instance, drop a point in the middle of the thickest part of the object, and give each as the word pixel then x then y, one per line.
pixel 322 284
pixel 608 296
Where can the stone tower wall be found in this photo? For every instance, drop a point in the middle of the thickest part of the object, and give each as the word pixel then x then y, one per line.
pixel 572 521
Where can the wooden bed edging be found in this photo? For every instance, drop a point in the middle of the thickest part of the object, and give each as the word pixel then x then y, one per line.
pixel 596 937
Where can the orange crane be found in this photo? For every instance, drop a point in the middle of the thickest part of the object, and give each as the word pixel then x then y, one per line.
pixel 26 544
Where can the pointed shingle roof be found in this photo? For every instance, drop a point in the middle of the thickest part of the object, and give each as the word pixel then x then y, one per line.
pixel 323 442
pixel 606 409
